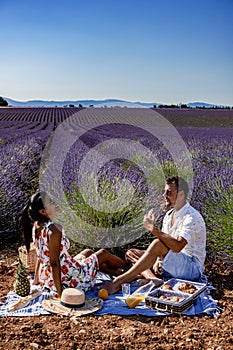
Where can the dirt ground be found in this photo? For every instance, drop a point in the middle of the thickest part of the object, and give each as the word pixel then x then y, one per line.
pixel 116 332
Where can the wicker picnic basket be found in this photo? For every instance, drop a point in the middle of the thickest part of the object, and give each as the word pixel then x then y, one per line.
pixel 186 300
pixel 28 259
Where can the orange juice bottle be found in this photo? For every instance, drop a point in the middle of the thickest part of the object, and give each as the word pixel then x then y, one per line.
pixel 139 295
pixel 134 300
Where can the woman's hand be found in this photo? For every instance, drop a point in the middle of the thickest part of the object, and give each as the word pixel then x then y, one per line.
pixel 36 273
pixel 56 296
pixel 35 282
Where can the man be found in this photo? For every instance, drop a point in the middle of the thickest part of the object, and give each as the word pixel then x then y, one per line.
pixel 178 250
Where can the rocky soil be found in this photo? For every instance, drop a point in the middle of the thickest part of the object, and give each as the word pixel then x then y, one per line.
pixel 116 332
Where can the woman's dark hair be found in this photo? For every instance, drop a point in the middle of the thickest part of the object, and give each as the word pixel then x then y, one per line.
pixel 30 214
pixel 181 184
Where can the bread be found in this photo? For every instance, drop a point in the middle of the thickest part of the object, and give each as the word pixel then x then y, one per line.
pixel 175 299
pixel 187 288
pixel 22 302
pixel 167 287
pixel 190 291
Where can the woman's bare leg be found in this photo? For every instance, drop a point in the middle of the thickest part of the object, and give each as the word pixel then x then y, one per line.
pixel 110 263
pixel 86 252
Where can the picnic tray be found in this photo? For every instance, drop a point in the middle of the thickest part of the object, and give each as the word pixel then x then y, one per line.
pixel 173 300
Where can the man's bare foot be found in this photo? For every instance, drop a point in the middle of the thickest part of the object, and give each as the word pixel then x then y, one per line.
pixel 112 287
pixel 157 281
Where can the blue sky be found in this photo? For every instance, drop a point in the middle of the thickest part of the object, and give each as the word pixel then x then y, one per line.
pixel 162 51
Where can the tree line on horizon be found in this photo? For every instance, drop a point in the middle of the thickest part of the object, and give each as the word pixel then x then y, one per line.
pixel 4 103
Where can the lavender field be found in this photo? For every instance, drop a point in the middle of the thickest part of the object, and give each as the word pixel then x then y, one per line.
pixel 207 134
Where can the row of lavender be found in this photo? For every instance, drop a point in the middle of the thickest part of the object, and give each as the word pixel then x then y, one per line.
pixel 36 114
pixel 212 156
pixel 179 117
pixel 22 143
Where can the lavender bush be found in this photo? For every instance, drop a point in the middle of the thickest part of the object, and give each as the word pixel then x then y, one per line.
pixel 19 164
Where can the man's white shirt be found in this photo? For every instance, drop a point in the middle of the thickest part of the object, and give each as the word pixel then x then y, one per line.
pixel 189 224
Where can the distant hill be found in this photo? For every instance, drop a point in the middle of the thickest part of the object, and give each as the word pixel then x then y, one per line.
pixel 203 104
pixel 99 103
pixel 84 103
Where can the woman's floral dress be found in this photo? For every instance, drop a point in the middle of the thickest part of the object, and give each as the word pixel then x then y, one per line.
pixel 79 274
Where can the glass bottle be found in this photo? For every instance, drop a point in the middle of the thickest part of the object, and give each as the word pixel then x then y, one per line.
pixel 139 295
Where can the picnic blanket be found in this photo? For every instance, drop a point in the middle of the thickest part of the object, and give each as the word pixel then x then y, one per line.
pixel 115 305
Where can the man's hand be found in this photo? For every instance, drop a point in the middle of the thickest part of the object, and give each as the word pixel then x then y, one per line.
pixel 157 267
pixel 151 215
pixel 149 221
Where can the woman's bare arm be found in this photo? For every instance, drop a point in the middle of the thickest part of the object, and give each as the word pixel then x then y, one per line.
pixel 55 235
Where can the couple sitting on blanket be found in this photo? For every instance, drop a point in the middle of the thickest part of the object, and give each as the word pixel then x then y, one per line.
pixel 178 249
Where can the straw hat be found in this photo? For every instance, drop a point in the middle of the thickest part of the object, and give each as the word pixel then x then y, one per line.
pixel 72 303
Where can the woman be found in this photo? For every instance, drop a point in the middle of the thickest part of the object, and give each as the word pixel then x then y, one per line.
pixel 55 267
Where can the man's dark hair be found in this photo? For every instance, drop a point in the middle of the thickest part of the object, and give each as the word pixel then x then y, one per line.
pixel 181 184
